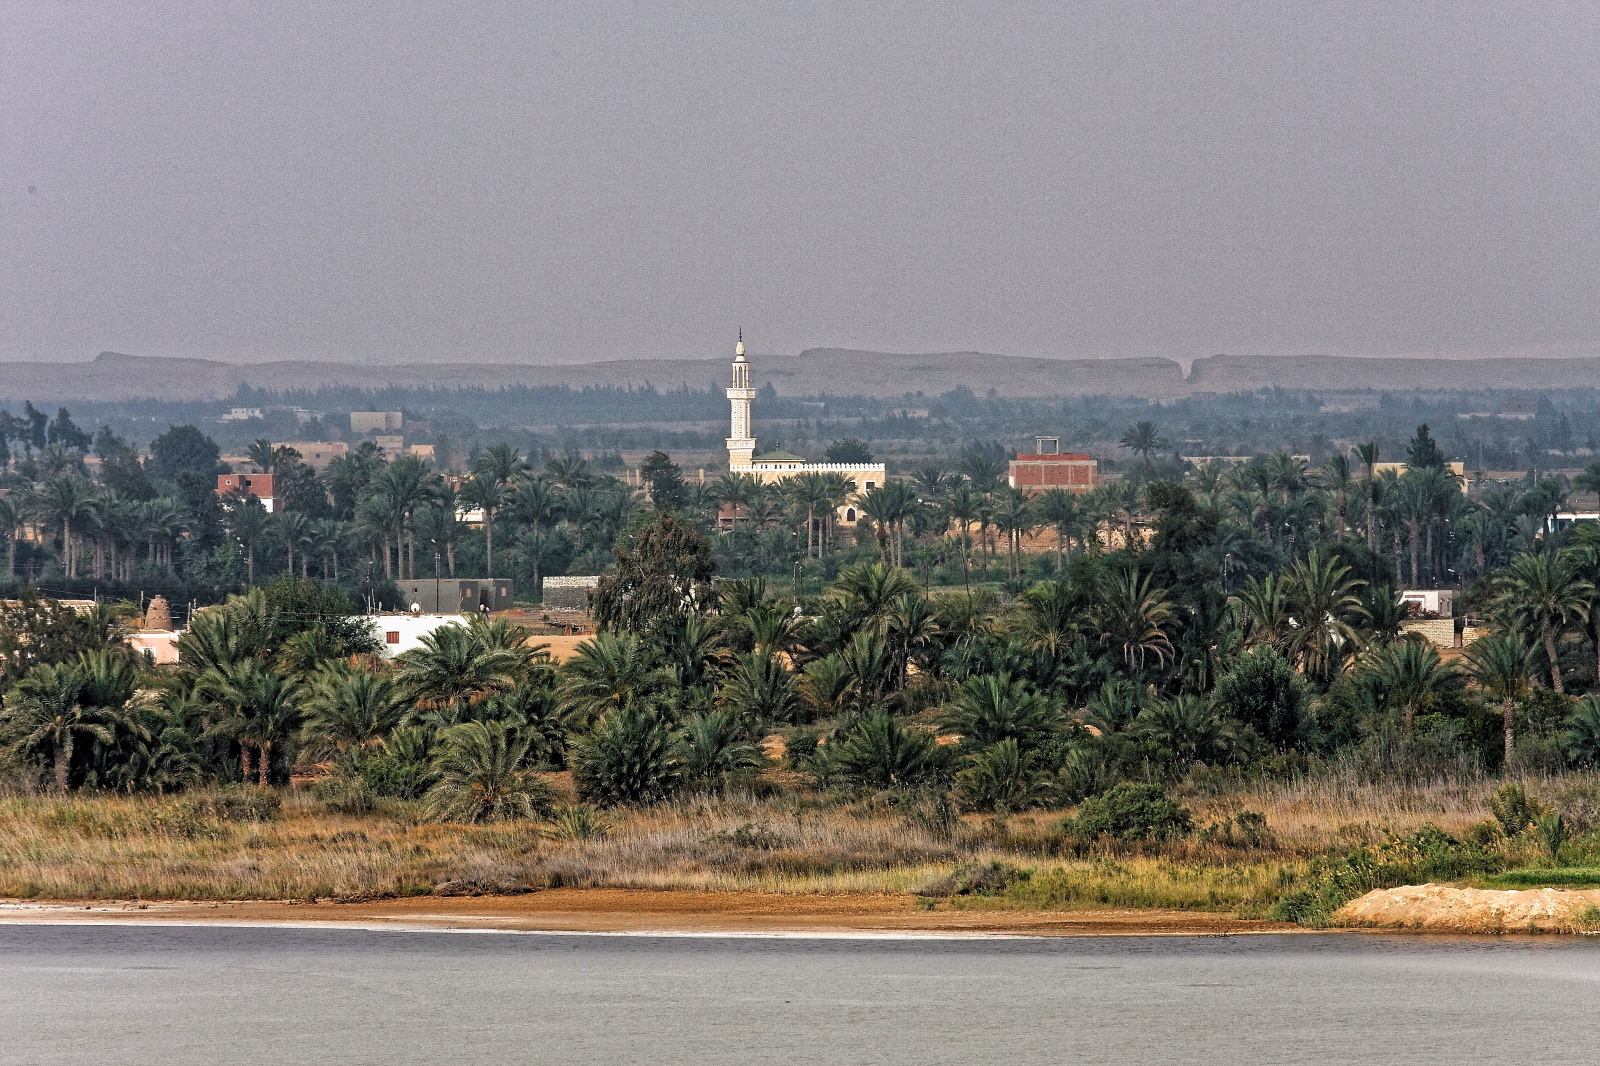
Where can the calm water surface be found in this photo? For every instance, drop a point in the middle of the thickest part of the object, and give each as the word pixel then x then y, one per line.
pixel 136 995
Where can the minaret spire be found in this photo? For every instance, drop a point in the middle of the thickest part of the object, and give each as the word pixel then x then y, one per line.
pixel 741 436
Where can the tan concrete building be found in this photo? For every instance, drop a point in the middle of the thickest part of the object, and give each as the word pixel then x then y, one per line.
pixel 376 422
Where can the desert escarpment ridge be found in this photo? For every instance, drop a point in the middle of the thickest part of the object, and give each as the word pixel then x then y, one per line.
pixel 113 376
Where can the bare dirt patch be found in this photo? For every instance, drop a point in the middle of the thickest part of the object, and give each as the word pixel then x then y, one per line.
pixel 1446 909
pixel 646 911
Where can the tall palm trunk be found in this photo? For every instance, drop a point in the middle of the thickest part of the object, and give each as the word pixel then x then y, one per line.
pixel 61 758
pixel 1432 571
pixel 1507 708
pixel 264 765
pixel 488 538
pixel 1416 551
pixel 1372 516
pixel 1555 665
pixel 246 762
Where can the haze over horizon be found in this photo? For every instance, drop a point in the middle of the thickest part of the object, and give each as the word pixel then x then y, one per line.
pixel 483 183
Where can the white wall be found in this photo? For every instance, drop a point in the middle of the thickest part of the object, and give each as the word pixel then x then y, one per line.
pixel 408 630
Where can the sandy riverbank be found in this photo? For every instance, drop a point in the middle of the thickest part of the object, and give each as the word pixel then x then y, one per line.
pixel 643 911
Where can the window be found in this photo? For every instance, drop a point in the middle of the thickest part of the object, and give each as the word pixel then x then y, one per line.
pixel 392 637
pixel 871 485
pixel 850 514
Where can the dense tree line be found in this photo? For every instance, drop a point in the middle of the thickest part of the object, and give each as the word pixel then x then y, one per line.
pixel 1184 622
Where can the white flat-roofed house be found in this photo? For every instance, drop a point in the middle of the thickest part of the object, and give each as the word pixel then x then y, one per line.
pixel 399 633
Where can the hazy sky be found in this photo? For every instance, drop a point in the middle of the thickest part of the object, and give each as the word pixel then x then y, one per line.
pixel 554 182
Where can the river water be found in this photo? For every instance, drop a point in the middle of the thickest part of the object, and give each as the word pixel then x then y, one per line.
pixel 284 996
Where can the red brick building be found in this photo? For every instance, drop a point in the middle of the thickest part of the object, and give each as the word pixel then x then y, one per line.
pixel 257 485
pixel 1049 468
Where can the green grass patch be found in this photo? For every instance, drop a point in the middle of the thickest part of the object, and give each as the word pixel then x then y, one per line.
pixel 1557 877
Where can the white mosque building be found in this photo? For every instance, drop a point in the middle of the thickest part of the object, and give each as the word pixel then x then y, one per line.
pixel 775 466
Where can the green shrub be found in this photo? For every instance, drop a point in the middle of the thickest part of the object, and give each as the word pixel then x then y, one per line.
pixel 976 879
pixel 933 813
pixel 343 795
pixel 1247 829
pixel 1266 693
pixel 579 821
pixel 1131 812
pixel 1513 808
pixel 236 803
pixel 403 767
pixel 1553 832
pixel 1430 854
pixel 632 756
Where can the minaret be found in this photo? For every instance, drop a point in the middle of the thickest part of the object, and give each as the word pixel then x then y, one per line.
pixel 741 441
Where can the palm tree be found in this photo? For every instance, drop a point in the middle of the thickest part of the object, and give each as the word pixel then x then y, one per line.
pixel 1189 727
pixel 761 689
pixel 1540 596
pixel 1326 602
pixel 397 491
pixel 962 504
pixel 736 490
pixel 453 671
pixel 483 776
pixel 989 708
pixel 162 522
pixel 1581 741
pixel 717 751
pixel 535 504
pixel 261 708
pixel 12 519
pixel 1142 438
pixel 1412 678
pixel 494 474
pixel 1335 477
pixel 1503 667
pixel 1265 611
pixel 44 709
pixel 349 709
pixel 1050 617
pixel 66 500
pixel 611 671
pixel 247 521
pixel 1058 508
pixel 1134 618
pixel 270 460
pixel 870 590
pixel 1584 558
pixel 881 753
pixel 631 756
pixel 1016 517
pixel 932 481
pixel 879 506
pixel 290 528
pixel 1368 454
pixel 1004 777
pixel 569 470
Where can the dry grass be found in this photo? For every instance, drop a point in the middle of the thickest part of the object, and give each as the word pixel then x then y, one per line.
pixel 1323 813
pixel 120 848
